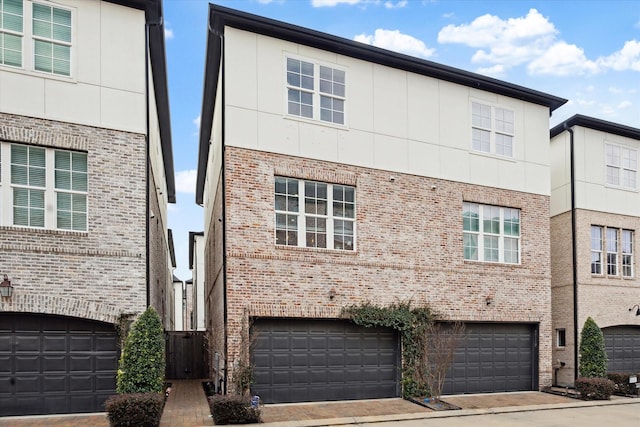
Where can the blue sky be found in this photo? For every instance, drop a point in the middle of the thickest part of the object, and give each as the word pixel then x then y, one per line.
pixel 587 51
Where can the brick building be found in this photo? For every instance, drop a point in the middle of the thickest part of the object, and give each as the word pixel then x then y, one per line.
pixel 333 174
pixel 594 215
pixel 86 172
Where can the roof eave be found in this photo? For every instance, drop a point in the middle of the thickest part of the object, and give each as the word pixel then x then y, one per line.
pixel 596 124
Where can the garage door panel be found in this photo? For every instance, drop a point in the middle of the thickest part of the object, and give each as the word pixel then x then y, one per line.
pixel 105 343
pixel 54 344
pixel 54 383
pixel 491 358
pixel 25 364
pixel 27 344
pixel 54 363
pixel 79 343
pixel 622 344
pixel 27 384
pixel 105 363
pixel 342 361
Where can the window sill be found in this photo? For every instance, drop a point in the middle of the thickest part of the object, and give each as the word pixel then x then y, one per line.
pixel 315 250
pixel 34 230
pixel 493 156
pixel 316 122
pixel 498 264
pixel 39 74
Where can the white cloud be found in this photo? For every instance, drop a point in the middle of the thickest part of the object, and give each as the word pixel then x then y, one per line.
pixel 497 71
pixel 168 33
pixel 448 15
pixel 627 58
pixel 186 181
pixel 196 121
pixel 331 3
pixel 562 59
pixel 396 41
pixel 624 105
pixel 398 5
pixel 615 90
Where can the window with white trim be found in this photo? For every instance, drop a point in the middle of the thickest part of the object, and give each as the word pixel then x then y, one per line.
pixel 315 91
pixel 622 166
pixel 43 187
pixel 491 233
pixel 314 214
pixel 617 245
pixel 11 22
pixel 47 29
pixel 492 129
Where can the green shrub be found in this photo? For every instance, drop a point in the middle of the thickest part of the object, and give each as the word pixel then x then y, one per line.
pixel 621 381
pixel 135 409
pixel 593 356
pixel 594 388
pixel 142 363
pixel 233 409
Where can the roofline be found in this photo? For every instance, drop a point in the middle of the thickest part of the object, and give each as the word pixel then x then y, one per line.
pixel 192 235
pixel 596 124
pixel 154 19
pixel 220 17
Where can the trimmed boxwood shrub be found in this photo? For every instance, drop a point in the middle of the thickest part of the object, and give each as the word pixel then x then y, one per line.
pixel 135 409
pixel 142 362
pixel 621 381
pixel 233 409
pixel 594 388
pixel 593 356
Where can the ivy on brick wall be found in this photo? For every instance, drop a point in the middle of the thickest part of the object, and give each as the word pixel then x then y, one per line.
pixel 411 323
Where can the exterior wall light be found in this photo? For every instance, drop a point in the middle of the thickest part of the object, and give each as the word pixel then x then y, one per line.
pixel 6 289
pixel 631 309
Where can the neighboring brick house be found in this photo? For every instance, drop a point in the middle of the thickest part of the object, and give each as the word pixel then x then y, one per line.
pixel 594 171
pixel 86 172
pixel 333 174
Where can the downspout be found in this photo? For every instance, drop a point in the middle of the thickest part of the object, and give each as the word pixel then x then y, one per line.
pixel 574 256
pixel 146 163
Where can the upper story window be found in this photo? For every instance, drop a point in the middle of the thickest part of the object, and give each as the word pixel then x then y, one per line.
pixel 43 187
pixel 492 129
pixel 622 166
pixel 314 214
pixel 11 19
pixel 315 91
pixel 491 233
pixel 35 36
pixel 617 244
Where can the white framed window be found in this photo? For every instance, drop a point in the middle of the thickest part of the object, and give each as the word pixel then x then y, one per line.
pixel 596 249
pixel 622 166
pixel 627 253
pixel 315 91
pixel 36 36
pixel 617 245
pixel 11 32
pixel 491 233
pixel 492 129
pixel 314 214
pixel 43 187
pixel 561 337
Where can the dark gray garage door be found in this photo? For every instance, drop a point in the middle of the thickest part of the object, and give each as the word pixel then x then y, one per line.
pixel 494 358
pixel 623 348
pixel 314 360
pixel 54 364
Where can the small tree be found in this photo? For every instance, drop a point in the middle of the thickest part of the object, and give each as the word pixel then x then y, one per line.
pixel 593 356
pixel 142 363
pixel 439 343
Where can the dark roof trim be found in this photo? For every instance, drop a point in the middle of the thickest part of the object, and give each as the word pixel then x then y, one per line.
pixel 219 17
pixel 596 124
pixel 192 239
pixel 155 21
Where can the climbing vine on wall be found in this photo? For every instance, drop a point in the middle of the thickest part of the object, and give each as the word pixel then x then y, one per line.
pixel 411 324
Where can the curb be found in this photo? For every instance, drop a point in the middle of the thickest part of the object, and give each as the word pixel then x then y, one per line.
pixel 444 414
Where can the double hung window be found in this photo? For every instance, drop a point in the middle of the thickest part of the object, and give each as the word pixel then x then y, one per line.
pixel 314 214
pixel 492 129
pixel 43 187
pixel 35 36
pixel 491 233
pixel 315 91
pixel 617 244
pixel 622 166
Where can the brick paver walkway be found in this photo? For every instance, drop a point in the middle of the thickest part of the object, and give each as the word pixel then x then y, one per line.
pixel 186 406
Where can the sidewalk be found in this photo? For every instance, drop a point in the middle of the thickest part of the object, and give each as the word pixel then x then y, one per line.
pixel 186 405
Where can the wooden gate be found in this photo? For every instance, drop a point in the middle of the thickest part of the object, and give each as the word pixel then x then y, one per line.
pixel 186 355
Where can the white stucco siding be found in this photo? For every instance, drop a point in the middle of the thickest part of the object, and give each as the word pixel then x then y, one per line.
pixel 107 83
pixel 592 190
pixel 394 120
